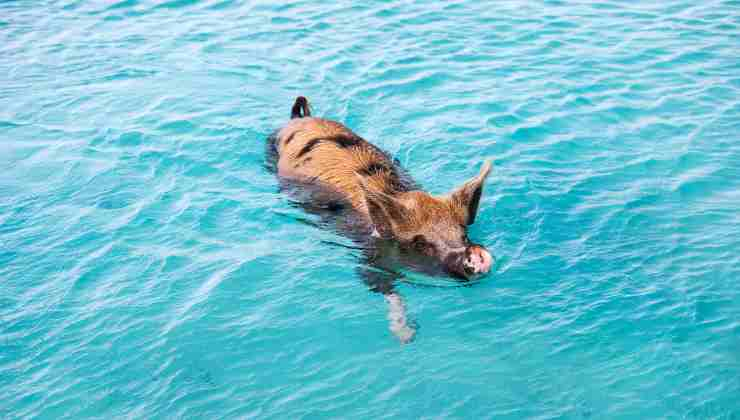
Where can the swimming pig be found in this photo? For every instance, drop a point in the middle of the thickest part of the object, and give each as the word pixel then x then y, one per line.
pixel 368 197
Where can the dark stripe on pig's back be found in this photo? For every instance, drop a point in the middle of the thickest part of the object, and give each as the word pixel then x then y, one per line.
pixel 375 162
pixel 303 139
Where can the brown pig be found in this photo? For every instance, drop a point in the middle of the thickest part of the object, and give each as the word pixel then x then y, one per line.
pixel 376 202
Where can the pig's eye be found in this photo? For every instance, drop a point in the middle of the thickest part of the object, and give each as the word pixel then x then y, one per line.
pixel 421 244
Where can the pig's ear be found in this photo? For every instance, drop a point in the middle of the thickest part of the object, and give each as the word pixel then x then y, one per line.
pixel 385 211
pixel 467 197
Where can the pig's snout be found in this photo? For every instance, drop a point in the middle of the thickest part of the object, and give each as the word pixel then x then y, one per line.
pixel 477 261
pixel 472 262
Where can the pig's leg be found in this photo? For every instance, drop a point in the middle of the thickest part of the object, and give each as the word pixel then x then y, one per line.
pixel 399 324
pixel 382 282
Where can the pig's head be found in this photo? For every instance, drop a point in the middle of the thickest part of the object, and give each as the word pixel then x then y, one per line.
pixel 431 230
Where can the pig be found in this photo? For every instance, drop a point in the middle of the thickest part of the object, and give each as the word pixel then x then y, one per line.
pixel 364 194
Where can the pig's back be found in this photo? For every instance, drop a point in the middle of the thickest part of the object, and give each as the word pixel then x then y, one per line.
pixel 328 153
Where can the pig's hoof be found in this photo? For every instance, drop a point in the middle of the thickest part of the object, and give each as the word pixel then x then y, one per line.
pixel 404 333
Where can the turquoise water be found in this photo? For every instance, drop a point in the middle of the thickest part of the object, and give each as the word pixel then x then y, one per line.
pixel 150 269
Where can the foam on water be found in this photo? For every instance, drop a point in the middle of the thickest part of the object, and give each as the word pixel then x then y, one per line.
pixel 149 268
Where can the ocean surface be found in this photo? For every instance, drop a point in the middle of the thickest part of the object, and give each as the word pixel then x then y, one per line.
pixel 149 267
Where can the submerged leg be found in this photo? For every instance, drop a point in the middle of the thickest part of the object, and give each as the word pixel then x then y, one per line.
pixel 399 324
pixel 382 282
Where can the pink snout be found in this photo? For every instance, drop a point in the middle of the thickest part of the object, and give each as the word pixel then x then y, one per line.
pixel 477 261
